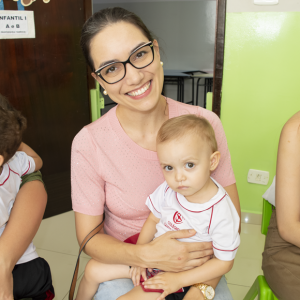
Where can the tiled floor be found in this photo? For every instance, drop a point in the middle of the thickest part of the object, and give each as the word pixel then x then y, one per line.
pixel 56 242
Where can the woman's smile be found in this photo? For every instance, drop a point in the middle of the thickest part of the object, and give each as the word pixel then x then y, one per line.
pixel 141 92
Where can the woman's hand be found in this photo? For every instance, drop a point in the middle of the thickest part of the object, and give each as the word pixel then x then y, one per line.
pixel 135 274
pixel 169 282
pixel 168 254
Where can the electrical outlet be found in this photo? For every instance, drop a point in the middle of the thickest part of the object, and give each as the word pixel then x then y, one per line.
pixel 258 177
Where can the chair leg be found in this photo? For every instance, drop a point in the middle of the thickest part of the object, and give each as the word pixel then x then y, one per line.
pixel 253 292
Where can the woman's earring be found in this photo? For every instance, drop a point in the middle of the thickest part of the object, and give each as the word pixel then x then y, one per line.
pixel 105 92
pixel 161 63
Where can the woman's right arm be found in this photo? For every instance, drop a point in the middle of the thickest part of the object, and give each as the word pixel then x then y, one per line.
pixel 156 254
pixel 288 182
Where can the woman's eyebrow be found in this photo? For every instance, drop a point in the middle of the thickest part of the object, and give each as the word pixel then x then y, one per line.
pixel 116 60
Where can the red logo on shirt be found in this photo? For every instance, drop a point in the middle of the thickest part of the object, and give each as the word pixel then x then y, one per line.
pixel 177 218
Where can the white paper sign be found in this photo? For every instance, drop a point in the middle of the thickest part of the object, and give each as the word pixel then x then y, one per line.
pixel 16 24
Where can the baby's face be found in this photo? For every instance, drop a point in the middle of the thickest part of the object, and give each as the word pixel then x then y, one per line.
pixel 186 164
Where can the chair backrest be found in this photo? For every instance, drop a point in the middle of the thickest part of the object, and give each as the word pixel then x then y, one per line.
pixel 97 103
pixel 266 216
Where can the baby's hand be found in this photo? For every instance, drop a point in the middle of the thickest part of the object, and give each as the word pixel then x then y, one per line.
pixel 168 281
pixel 135 274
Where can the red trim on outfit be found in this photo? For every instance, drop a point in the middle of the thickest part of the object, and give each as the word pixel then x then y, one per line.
pixel 27 170
pixel 200 210
pixel 225 250
pixel 13 171
pixel 167 189
pixel 5 179
pixel 153 205
pixel 212 211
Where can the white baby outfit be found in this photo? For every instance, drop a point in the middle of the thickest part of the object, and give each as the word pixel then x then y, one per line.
pixel 216 220
pixel 10 179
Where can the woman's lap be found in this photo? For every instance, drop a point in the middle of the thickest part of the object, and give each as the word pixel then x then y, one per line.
pixel 113 289
pixel 281 264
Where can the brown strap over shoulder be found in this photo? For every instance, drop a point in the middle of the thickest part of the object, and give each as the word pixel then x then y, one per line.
pixel 86 239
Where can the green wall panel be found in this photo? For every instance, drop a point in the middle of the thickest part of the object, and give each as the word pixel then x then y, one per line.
pixel 261 91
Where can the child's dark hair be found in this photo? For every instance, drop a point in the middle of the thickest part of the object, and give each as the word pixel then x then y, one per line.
pixel 12 126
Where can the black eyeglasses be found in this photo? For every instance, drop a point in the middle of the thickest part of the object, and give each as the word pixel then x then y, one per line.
pixel 113 72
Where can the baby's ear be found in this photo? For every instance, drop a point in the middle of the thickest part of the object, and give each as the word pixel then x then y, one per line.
pixel 214 160
pixel 1 160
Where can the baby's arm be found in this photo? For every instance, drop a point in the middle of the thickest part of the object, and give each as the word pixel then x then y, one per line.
pixel 171 282
pixel 146 236
pixel 30 152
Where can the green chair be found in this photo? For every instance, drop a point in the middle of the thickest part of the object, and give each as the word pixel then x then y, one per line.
pixel 97 102
pixel 260 286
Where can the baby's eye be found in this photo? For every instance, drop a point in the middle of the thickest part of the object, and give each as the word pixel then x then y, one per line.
pixel 189 165
pixel 168 168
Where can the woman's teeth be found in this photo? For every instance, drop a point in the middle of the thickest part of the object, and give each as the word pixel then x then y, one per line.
pixel 140 91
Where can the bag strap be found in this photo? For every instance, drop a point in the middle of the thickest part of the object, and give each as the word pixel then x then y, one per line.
pixel 86 239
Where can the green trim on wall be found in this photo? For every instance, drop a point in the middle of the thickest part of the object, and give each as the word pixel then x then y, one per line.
pixel 261 91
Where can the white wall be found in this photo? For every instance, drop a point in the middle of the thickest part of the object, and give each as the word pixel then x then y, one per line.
pixel 248 6
pixel 185 31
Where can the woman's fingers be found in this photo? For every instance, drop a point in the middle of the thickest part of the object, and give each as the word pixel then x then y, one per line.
pixel 171 255
pixel 144 274
pixel 200 254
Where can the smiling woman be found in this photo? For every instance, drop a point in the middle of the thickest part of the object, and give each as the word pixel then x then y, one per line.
pixel 114 160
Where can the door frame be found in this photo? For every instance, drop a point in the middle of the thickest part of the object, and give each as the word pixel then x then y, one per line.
pixel 219 56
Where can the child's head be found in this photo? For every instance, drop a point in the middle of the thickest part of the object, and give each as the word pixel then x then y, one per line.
pixel 188 153
pixel 12 126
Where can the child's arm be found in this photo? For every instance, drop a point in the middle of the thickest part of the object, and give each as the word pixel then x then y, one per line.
pixel 147 234
pixel 30 152
pixel 148 230
pixel 172 282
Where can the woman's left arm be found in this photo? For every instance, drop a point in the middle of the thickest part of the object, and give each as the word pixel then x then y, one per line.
pixel 23 224
pixel 234 196
pixel 287 193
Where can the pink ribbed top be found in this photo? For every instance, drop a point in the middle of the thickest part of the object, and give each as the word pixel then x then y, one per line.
pixel 111 173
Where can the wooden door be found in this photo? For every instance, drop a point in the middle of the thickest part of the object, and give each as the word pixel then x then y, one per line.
pixel 46 78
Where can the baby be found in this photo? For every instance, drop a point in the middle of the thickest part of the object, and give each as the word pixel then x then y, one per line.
pixel 188 199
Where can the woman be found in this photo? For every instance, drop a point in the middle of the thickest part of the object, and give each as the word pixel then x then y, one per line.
pixel 114 163
pixel 281 258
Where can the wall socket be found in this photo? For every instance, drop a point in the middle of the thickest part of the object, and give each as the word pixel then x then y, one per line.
pixel 258 177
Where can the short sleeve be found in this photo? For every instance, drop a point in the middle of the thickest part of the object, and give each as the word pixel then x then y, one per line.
pixel 88 196
pixel 224 172
pixel 156 199
pixel 26 164
pixel 224 230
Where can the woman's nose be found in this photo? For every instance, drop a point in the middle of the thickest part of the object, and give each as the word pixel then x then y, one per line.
pixel 133 76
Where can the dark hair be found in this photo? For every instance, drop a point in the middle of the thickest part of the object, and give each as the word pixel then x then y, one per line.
pixel 103 18
pixel 12 126
pixel 178 127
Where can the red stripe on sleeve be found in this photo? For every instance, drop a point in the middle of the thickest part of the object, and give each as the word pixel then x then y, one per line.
pixel 27 170
pixel 212 211
pixel 153 205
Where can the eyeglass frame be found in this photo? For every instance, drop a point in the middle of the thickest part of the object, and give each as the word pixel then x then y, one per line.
pixel 97 72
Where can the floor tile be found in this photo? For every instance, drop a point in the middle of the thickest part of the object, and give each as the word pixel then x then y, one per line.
pixel 238 292
pixel 250 218
pixel 58 234
pixel 76 289
pixel 252 242
pixel 62 268
pixel 244 271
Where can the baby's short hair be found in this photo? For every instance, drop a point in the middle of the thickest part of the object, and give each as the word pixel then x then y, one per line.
pixel 12 126
pixel 178 127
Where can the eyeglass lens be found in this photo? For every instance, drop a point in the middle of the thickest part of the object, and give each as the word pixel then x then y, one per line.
pixel 139 59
